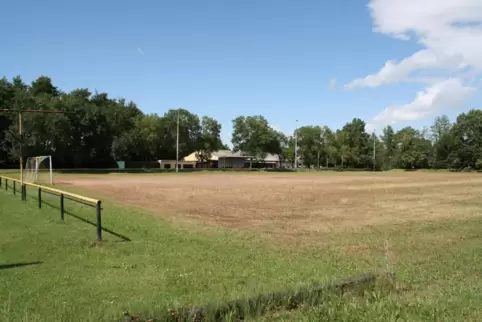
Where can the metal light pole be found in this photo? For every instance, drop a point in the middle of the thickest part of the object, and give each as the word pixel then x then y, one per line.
pixel 20 136
pixel 296 145
pixel 177 142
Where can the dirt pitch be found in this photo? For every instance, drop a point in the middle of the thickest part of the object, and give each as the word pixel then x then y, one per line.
pixel 293 203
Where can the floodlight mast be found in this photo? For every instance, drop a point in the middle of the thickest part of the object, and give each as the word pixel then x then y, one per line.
pixel 20 135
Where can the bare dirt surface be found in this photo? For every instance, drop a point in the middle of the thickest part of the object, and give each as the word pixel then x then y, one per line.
pixel 293 203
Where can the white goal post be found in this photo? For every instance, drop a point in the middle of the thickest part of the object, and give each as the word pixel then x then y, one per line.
pixel 39 169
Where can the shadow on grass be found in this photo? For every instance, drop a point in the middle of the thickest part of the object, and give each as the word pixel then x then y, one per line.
pixel 7 266
pixel 292 299
pixel 68 213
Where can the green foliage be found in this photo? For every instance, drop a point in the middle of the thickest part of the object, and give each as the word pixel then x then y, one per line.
pixel 210 138
pixel 96 130
pixel 310 144
pixel 253 136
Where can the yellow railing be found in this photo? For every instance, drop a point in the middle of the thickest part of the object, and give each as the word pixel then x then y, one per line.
pixel 56 192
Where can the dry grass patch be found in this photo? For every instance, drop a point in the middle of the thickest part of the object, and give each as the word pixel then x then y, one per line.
pixel 293 204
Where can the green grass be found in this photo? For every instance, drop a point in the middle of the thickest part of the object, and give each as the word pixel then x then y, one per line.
pixel 162 266
pixel 165 265
pixel 438 267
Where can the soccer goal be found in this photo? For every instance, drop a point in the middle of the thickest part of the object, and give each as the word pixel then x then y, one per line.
pixel 39 169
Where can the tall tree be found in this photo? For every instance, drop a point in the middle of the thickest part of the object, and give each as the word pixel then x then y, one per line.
pixel 210 138
pixel 389 147
pixel 310 143
pixel 356 142
pixel 440 127
pixel 415 150
pixel 467 144
pixel 253 136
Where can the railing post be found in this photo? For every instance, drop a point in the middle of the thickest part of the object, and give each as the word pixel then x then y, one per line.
pixel 6 184
pixel 39 198
pixel 62 207
pixel 24 192
pixel 0 181
pixel 14 188
pixel 99 221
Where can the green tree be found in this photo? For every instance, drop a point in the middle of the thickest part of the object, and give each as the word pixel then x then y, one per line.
pixel 414 149
pixel 43 86
pixel 253 136
pixel 467 141
pixel 440 127
pixel 389 148
pixel 310 143
pixel 210 138
pixel 355 142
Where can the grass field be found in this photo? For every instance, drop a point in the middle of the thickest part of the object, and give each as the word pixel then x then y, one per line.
pixel 193 239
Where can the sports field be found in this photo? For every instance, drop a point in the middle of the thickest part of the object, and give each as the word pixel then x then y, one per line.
pixel 192 239
pixel 293 205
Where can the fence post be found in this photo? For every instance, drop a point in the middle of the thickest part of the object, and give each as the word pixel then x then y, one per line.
pixel 62 207
pixel 24 192
pixel 99 221
pixel 6 184
pixel 39 198
pixel 14 188
pixel 0 181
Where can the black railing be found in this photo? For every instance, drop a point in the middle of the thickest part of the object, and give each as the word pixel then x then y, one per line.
pixel 97 204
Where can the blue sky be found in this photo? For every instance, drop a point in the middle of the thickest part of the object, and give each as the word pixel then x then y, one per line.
pixel 223 59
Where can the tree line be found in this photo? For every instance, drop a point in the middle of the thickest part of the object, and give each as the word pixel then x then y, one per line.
pixel 96 131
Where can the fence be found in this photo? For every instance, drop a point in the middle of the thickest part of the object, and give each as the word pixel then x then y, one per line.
pixel 62 196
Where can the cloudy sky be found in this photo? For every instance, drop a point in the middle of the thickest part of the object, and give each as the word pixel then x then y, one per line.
pixel 399 62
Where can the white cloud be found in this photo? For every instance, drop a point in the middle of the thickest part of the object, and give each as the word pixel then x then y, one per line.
pixel 332 84
pixel 435 99
pixel 140 51
pixel 450 32
pixel 395 72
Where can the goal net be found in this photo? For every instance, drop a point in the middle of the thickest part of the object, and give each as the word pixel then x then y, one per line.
pixel 39 170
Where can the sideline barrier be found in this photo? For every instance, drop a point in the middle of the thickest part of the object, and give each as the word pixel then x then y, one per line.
pixel 61 194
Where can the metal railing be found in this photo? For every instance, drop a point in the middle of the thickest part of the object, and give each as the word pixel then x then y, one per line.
pixel 56 192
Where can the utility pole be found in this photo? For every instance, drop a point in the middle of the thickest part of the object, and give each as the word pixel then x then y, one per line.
pixel 177 142
pixel 296 146
pixel 20 137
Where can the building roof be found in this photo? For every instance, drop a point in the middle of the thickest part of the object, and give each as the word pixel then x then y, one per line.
pixel 215 156
pixel 227 154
